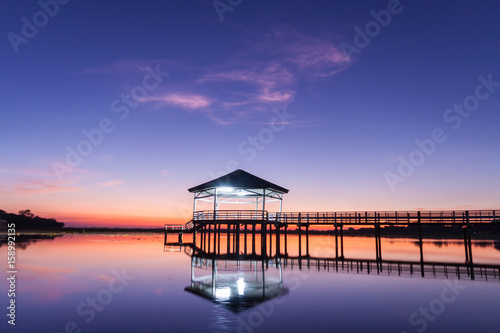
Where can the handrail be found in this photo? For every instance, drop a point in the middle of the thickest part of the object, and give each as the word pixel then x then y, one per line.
pixel 384 217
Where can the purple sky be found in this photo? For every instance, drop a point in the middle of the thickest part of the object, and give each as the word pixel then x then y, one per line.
pixel 111 110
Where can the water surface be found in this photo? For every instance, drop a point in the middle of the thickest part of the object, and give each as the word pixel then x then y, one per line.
pixel 129 283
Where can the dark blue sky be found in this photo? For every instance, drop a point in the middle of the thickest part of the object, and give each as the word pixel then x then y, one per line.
pixel 274 88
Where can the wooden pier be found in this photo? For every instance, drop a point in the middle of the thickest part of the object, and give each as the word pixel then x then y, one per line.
pixel 209 226
pixel 243 189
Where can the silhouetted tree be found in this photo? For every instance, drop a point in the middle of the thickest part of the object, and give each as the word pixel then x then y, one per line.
pixel 27 213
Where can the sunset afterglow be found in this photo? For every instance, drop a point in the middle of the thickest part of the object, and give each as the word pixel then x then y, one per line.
pixel 110 112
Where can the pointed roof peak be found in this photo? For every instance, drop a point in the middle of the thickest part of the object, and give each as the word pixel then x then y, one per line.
pixel 239 179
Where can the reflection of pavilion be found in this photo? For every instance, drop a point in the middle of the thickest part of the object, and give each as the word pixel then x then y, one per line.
pixel 236 284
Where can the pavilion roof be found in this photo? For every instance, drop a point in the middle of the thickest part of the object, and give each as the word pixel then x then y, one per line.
pixel 239 179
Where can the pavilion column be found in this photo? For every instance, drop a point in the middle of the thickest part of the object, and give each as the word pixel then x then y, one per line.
pixel 194 206
pixel 216 204
pixel 256 206
pixel 264 205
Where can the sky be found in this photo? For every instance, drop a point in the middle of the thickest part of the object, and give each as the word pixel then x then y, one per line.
pixel 111 110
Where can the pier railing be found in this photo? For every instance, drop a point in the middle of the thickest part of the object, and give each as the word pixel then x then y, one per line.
pixel 360 218
pixel 232 215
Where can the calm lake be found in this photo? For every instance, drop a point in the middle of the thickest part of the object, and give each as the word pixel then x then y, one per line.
pixel 132 283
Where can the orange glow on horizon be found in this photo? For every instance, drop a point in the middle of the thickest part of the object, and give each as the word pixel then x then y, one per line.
pixel 117 221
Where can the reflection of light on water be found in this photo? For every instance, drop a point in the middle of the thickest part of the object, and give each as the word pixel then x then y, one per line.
pixel 223 293
pixel 241 286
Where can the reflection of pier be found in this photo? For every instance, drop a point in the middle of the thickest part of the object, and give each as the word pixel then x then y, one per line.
pixel 432 269
pixel 240 228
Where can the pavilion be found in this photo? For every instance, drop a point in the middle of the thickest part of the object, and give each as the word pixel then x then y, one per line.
pixel 236 188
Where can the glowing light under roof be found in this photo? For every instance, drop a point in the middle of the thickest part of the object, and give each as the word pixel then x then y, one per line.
pixel 225 189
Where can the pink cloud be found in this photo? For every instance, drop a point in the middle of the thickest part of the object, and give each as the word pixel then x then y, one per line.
pixel 185 101
pixel 40 181
pixel 37 186
pixel 267 74
pixel 110 183
pixel 311 55
pixel 269 83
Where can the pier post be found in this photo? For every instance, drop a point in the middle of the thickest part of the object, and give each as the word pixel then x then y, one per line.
pixel 235 227
pixel 466 242
pixel 238 238
pixel 376 244
pixel 253 238
pixel 420 243
pixel 209 237
pixel 286 241
pixel 379 242
pixel 471 262
pixel 336 238
pixel 228 238
pixel 263 238
pixel 270 239
pixel 278 240
pixel 165 242
pixel 341 241
pixel 215 238
pixel 307 239
pixel 245 233
pixel 218 237
pixel 204 237
pixel 300 238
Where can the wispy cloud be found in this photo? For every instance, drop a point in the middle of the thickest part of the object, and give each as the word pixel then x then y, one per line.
pixel 268 83
pixel 33 181
pixel 185 101
pixel 111 183
pixel 38 180
pixel 27 185
pixel 264 76
pixel 312 56
pixel 267 74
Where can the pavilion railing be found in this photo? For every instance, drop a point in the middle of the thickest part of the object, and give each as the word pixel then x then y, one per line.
pixel 232 215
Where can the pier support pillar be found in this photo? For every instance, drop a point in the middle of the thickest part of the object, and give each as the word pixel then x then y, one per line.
pixel 336 242
pixel 300 239
pixel 270 239
pixel 420 244
pixel 286 240
pixel 253 238
pixel 469 245
pixel 238 238
pixel 307 239
pixel 341 241
pixel 209 237
pixel 245 235
pixel 228 238
pixel 278 241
